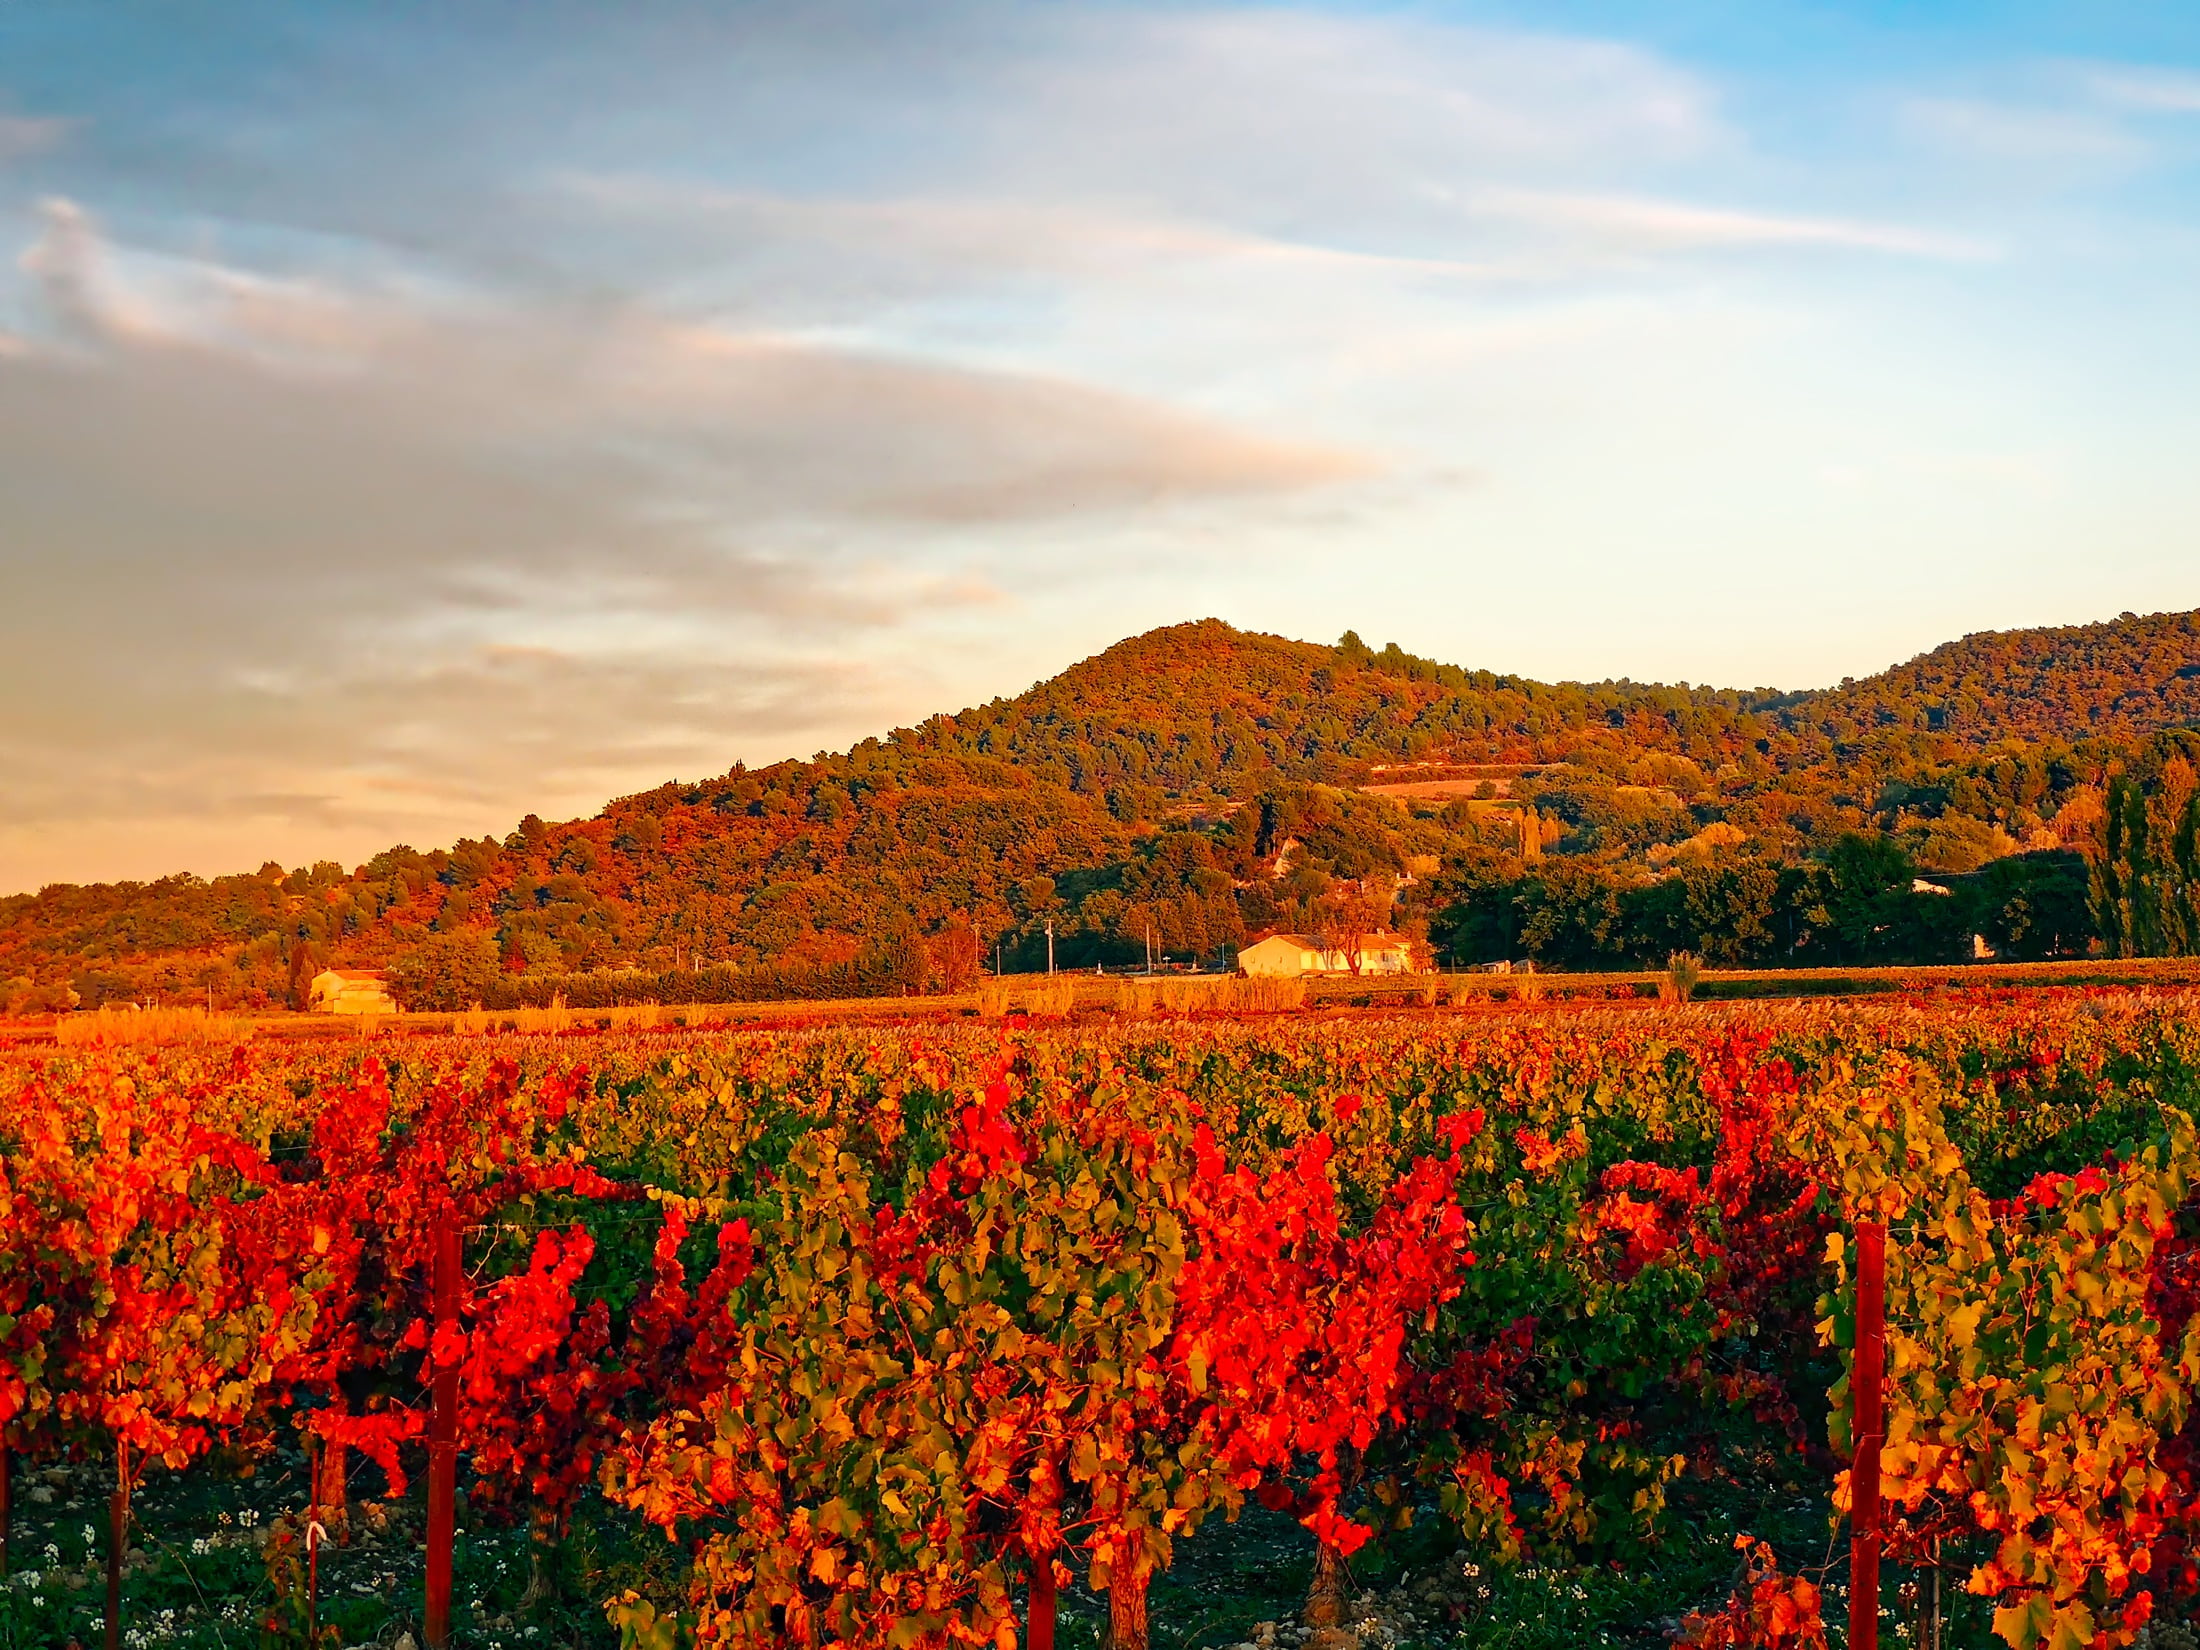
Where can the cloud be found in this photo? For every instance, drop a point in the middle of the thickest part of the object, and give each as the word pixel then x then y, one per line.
pixel 748 425
pixel 1274 121
pixel 2146 90
pixel 837 260
pixel 22 136
pixel 1270 116
pixel 946 234
pixel 1635 223
pixel 482 456
pixel 2029 134
pixel 941 443
pixel 68 264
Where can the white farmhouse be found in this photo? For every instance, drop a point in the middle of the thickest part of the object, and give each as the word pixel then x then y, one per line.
pixel 350 991
pixel 1290 955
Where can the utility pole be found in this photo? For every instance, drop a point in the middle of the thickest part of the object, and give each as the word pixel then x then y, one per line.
pixel 1149 948
pixel 1050 945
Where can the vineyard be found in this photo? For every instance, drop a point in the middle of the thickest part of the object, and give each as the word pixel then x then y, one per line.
pixel 1509 1326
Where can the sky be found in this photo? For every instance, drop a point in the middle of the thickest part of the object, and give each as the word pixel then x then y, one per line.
pixel 412 418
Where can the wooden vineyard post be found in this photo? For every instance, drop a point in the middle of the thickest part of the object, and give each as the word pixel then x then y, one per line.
pixel 118 1535
pixel 1866 1430
pixel 442 1445
pixel 6 1467
pixel 314 1534
pixel 1039 1630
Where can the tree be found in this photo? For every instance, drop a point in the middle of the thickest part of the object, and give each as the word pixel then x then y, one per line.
pixel 2033 906
pixel 2146 855
pixel 1864 896
pixel 1731 906
pixel 1569 914
pixel 955 955
pixel 896 956
pixel 305 962
pixel 1353 910
pixel 448 971
pixel 1476 916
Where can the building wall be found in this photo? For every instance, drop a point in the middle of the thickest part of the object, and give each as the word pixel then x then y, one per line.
pixel 1279 957
pixel 337 996
pixel 371 999
pixel 1274 957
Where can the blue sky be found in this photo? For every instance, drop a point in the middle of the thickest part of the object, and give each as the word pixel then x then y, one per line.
pixel 414 418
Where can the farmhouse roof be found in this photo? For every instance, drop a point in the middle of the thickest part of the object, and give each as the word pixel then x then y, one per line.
pixel 1310 942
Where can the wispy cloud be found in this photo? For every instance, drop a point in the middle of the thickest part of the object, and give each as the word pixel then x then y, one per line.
pixel 23 135
pixel 1315 103
pixel 1094 145
pixel 831 256
pixel 2025 133
pixel 2148 90
pixel 1635 223
pixel 755 424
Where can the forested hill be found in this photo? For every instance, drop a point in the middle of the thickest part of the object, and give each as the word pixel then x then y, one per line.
pixel 1196 784
pixel 2120 680
pixel 1203 709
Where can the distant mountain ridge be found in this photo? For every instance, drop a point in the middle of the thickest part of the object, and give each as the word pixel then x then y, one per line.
pixel 1058 804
